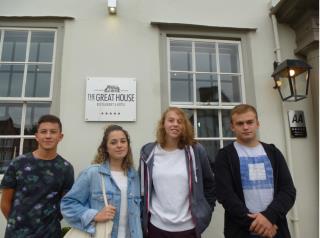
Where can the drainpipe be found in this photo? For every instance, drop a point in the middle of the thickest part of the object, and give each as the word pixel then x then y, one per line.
pixel 294 211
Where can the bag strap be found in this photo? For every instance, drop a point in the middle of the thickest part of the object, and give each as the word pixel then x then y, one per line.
pixel 103 187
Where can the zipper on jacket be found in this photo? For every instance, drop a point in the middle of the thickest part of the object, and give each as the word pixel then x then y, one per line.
pixel 189 160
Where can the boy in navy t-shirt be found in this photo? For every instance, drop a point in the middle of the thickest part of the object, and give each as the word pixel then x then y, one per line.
pixel 34 184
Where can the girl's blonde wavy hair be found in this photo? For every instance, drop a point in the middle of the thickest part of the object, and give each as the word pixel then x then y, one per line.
pixel 187 137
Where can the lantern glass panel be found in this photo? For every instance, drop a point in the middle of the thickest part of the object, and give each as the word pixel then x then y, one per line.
pixel 285 87
pixel 300 83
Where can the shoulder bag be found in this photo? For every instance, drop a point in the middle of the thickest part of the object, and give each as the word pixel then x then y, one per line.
pixel 103 229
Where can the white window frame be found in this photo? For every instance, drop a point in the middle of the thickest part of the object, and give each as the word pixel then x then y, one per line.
pixel 25 100
pixel 213 106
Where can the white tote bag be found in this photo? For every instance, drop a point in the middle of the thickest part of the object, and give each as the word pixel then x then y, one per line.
pixel 103 229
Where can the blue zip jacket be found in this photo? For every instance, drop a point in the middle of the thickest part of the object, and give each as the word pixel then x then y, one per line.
pixel 202 192
pixel 230 192
pixel 80 205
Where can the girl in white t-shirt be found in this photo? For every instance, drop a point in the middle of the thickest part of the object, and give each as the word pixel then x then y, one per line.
pixel 171 167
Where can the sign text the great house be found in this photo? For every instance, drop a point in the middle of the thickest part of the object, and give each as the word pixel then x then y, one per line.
pixel 110 99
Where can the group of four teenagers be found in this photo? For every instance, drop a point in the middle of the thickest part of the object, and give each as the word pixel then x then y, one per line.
pixel 172 195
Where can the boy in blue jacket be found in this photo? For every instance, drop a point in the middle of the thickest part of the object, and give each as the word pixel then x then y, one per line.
pixel 253 182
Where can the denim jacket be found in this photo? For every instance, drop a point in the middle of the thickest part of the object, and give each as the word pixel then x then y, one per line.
pixel 80 205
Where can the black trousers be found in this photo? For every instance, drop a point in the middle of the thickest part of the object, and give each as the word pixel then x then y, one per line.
pixel 155 232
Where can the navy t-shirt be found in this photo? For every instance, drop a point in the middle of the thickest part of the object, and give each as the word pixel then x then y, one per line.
pixel 39 185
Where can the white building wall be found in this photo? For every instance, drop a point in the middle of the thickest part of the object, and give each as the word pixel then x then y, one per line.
pixel 126 45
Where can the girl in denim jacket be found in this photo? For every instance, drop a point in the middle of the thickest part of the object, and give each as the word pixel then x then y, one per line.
pixel 83 205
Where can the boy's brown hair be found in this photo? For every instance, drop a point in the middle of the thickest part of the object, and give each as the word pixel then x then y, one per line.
pixel 243 108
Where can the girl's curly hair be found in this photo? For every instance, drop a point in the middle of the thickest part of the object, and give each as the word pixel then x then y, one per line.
pixel 103 155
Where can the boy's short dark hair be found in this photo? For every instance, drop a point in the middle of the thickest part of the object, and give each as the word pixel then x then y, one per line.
pixel 49 118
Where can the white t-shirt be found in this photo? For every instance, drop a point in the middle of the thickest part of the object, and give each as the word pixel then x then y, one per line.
pixel 122 182
pixel 256 177
pixel 170 206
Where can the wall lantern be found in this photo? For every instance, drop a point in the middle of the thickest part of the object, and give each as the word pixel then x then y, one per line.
pixel 291 78
pixel 112 6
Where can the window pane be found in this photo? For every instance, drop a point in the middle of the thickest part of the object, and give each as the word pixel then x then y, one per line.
pixel 29 145
pixel 181 55
pixel 10 119
pixel 207 88
pixel 34 112
pixel 181 87
pixel 38 81
pixel 9 149
pixel 226 129
pixel 41 48
pixel 228 58
pixel 212 147
pixel 205 57
pixel 230 87
pixel 190 115
pixel 208 123
pixel 11 77
pixel 14 46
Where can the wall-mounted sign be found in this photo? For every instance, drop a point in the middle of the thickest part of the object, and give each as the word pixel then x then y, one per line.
pixel 110 99
pixel 297 124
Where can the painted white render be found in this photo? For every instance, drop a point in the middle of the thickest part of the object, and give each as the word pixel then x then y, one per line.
pixel 96 44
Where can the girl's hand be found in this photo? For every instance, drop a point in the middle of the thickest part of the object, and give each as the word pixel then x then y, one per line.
pixel 107 213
